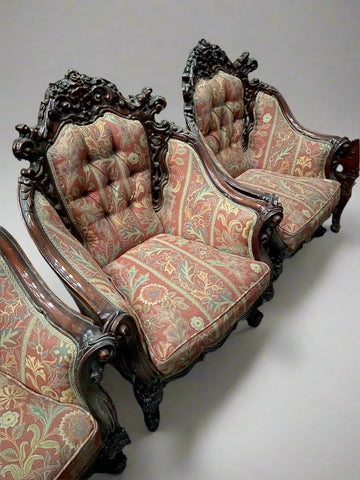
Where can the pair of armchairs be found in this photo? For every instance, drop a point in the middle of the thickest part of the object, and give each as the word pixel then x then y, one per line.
pixel 55 419
pixel 165 237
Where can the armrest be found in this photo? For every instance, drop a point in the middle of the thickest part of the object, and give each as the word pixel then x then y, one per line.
pixel 197 203
pixel 279 143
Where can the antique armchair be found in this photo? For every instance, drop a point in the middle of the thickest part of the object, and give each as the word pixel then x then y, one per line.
pixel 142 232
pixel 258 143
pixel 55 419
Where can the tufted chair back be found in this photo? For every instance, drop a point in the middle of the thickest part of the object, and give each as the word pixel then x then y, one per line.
pixel 102 171
pixel 219 111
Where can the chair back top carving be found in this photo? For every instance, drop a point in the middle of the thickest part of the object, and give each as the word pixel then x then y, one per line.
pixel 96 156
pixel 226 83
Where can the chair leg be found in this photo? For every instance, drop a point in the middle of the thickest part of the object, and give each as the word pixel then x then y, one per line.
pixel 149 396
pixel 111 458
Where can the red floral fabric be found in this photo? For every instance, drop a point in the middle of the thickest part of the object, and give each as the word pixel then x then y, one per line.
pixel 194 209
pixel 219 109
pixel 186 295
pixel 75 253
pixel 307 202
pixel 103 172
pixel 40 437
pixel 31 350
pixel 276 147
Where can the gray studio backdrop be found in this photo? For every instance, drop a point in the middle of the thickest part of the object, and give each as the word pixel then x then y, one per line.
pixel 281 401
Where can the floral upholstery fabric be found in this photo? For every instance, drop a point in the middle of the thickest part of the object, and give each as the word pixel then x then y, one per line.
pixel 219 110
pixel 39 436
pixel 103 172
pixel 74 253
pixel 194 209
pixel 276 147
pixel 31 350
pixel 307 202
pixel 186 295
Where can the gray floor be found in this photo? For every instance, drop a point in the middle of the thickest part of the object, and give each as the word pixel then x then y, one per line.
pixel 280 401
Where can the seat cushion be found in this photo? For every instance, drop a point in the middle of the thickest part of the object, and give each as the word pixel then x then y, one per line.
pixel 40 437
pixel 307 202
pixel 186 295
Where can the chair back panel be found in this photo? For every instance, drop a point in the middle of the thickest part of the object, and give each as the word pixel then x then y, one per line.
pixel 102 171
pixel 219 110
pixel 276 147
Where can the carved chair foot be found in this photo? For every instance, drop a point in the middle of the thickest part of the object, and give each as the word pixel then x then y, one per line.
pixel 111 458
pixel 335 225
pixel 152 419
pixel 149 396
pixel 255 318
pixel 320 231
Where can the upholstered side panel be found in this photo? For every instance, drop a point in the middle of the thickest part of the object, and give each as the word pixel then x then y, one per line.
pixel 219 110
pixel 186 295
pixel 31 349
pixel 74 253
pixel 103 171
pixel 194 209
pixel 276 147
pixel 40 437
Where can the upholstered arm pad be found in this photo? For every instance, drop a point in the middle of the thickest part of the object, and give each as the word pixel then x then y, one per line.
pixel 195 209
pixel 77 258
pixel 277 145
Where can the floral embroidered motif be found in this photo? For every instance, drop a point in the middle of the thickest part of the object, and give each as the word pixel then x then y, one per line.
pixel 197 211
pixel 276 147
pixel 73 430
pixel 153 294
pixel 36 361
pixel 186 295
pixel 41 435
pixel 9 419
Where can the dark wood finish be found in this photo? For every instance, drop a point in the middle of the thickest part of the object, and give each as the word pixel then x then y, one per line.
pixel 80 99
pixel 95 349
pixel 206 59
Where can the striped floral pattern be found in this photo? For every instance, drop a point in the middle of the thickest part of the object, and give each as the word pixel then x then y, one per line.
pixel 103 173
pixel 276 147
pixel 186 295
pixel 31 350
pixel 307 202
pixel 219 109
pixel 40 436
pixel 194 209
pixel 75 253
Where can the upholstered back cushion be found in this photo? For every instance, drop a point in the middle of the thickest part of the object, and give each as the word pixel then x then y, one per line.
pixel 32 351
pixel 103 172
pixel 276 147
pixel 219 110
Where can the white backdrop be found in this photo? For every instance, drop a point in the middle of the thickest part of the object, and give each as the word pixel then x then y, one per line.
pixel 274 403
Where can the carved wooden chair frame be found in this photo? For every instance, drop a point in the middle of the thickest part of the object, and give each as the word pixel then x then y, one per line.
pixel 80 99
pixel 95 349
pixel 206 59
